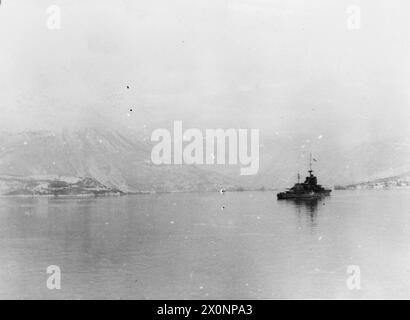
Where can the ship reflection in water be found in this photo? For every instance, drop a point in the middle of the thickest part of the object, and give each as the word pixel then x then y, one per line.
pixel 306 207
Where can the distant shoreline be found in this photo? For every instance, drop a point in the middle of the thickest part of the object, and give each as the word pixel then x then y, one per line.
pixel 91 195
pixel 73 196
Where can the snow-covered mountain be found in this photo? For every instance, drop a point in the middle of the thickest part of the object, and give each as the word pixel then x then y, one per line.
pixel 111 158
pixel 282 157
pixel 122 161
pixel 338 163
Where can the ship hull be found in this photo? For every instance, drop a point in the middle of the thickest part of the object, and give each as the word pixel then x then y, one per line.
pixel 303 196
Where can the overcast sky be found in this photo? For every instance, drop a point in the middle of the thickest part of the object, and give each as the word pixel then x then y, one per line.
pixel 274 65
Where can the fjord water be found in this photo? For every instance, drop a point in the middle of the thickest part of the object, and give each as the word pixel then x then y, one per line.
pixel 206 246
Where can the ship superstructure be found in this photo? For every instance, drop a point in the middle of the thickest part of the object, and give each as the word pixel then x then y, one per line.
pixel 309 189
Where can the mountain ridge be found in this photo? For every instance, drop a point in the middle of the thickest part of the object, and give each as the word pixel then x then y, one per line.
pixel 121 159
pixel 107 156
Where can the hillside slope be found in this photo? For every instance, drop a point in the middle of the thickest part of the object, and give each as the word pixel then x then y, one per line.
pixel 109 157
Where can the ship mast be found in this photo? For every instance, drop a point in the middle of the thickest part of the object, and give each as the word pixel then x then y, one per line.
pixel 310 164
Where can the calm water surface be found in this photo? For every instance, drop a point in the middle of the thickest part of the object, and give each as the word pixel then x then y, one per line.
pixel 177 246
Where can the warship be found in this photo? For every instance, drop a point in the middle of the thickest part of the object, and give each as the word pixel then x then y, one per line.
pixel 308 190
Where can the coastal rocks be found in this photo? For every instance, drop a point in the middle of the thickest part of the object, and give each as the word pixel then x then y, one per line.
pixel 56 186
